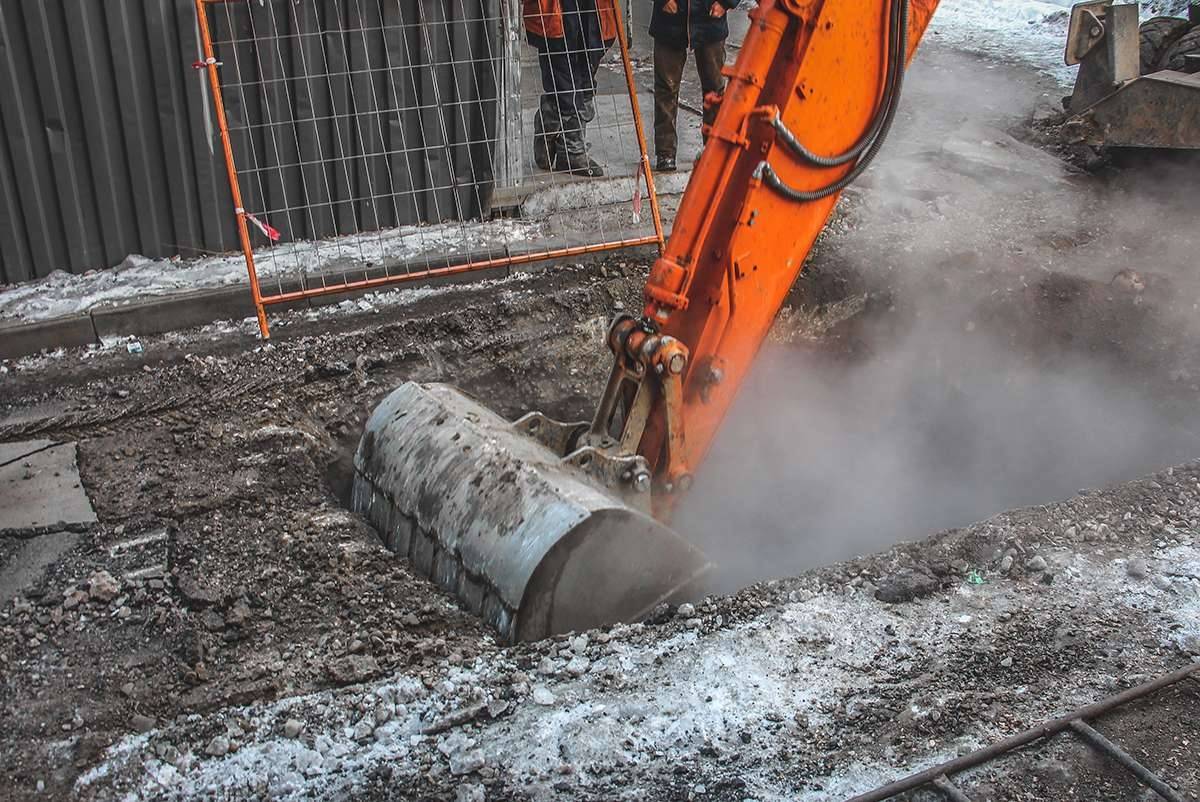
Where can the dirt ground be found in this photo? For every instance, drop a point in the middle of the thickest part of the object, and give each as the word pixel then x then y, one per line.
pixel 229 631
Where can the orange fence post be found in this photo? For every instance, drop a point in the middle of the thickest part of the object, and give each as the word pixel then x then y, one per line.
pixel 214 82
pixel 652 196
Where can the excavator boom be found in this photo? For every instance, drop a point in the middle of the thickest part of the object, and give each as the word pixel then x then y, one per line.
pixel 815 74
pixel 543 526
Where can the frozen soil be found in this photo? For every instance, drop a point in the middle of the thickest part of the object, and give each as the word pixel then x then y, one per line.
pixel 228 631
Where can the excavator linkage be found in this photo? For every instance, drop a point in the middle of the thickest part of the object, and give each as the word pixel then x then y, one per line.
pixel 533 541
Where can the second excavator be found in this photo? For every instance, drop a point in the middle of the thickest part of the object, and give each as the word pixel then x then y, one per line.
pixel 542 526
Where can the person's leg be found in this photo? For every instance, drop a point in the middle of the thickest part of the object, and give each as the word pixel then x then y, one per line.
pixel 547 121
pixel 668 72
pixel 584 50
pixel 710 58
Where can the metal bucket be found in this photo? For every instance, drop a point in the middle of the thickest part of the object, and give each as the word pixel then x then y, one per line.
pixel 526 540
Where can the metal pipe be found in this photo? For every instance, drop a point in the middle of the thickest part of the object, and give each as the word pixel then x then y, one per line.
pixel 1044 730
pixel 454 270
pixel 214 82
pixel 1085 731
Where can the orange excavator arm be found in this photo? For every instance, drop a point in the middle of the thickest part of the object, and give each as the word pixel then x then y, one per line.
pixel 807 106
pixel 544 526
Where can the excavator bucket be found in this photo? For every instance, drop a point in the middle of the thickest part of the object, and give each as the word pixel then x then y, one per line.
pixel 523 535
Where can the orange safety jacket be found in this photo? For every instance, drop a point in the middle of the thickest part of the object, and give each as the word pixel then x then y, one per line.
pixel 544 18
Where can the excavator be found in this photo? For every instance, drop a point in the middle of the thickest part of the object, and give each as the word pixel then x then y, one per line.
pixel 542 526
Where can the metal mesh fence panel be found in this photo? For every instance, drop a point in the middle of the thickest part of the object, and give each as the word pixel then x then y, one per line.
pixel 370 142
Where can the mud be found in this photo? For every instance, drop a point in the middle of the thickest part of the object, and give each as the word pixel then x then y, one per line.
pixel 256 640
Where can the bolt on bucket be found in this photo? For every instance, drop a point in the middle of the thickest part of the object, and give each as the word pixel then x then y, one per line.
pixel 525 538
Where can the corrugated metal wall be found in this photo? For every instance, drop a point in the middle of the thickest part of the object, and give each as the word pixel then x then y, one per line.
pixel 108 145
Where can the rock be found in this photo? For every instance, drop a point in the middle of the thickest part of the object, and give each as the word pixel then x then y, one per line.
pixel 292 728
pixel 212 620
pixel 1161 582
pixel 352 669
pixel 383 712
pixel 1136 568
pixel 686 610
pixel 497 707
pixel 1006 564
pixel 141 723
pixel 543 696
pixel 456 718
pixel 356 646
pixel 1037 563
pixel 579 644
pixel 102 587
pixel 905 586
pixel 466 762
pixel 218 746
pixel 454 743
pixel 195 595
pixel 578 665
pixel 469 792
pixel 547 666
pixel 364 728
pixel 238 614
pixel 1007 662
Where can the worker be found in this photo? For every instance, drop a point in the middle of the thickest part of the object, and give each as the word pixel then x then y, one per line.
pixel 571 37
pixel 675 26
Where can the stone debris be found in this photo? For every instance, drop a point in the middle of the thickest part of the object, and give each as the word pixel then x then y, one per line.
pixel 218 746
pixel 102 587
pixel 543 696
pixel 469 792
pixel 1136 568
pixel 905 585
pixel 466 762
pixel 142 723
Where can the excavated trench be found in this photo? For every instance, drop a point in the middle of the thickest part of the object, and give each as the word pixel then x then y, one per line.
pixel 876 414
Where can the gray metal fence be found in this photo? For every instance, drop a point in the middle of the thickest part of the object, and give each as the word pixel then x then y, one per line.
pixel 108 145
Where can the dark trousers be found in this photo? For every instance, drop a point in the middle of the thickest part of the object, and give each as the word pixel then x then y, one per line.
pixel 568 68
pixel 668 72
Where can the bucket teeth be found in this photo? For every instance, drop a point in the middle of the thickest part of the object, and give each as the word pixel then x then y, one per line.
pixel 493 516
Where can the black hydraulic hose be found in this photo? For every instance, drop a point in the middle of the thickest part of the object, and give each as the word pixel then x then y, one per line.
pixel 896 24
pixel 887 117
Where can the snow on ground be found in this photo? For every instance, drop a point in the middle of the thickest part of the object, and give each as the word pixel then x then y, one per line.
pixel 1032 32
pixel 626 699
pixel 139 278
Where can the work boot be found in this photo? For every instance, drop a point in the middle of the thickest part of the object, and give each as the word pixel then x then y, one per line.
pixel 544 145
pixel 665 164
pixel 579 164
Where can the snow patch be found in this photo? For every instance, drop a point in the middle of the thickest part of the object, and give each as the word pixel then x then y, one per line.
pixel 333 260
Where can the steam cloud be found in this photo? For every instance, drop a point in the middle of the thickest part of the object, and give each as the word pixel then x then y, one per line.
pixel 986 382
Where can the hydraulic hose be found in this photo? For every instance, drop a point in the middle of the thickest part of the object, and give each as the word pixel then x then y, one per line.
pixel 865 150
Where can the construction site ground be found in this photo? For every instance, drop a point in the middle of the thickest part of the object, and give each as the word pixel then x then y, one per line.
pixel 982 328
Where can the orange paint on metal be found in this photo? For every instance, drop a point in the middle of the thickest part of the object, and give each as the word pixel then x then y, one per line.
pixel 737 245
pixel 637 126
pixel 214 81
pixel 453 270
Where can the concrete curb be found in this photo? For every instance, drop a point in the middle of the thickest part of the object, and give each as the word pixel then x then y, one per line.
pixel 197 308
